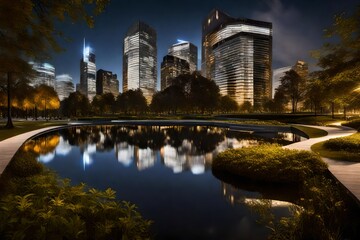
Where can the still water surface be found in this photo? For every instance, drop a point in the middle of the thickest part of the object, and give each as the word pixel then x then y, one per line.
pixel 166 172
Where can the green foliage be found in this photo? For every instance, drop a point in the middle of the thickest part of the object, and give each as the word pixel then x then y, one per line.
pixel 320 213
pixel 348 144
pixel 353 124
pixel 41 206
pixel 24 165
pixel 270 163
pixel 132 101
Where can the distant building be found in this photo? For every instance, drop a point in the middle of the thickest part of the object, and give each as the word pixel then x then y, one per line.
pixel 77 87
pixel 140 59
pixel 300 67
pixel 187 51
pixel 106 82
pixel 172 67
pixel 88 73
pixel 64 86
pixel 45 74
pixel 237 55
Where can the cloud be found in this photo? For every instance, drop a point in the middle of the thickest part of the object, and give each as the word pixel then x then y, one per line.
pixel 291 34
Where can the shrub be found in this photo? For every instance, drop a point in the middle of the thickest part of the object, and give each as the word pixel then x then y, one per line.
pixel 349 144
pixel 48 208
pixel 353 124
pixel 270 163
pixel 24 164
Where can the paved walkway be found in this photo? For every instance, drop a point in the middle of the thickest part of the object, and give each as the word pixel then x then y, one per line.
pixel 9 147
pixel 348 173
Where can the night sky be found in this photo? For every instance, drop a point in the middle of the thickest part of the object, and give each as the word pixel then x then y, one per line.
pixel 297 28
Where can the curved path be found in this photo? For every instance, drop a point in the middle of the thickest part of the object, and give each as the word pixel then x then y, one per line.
pixel 9 147
pixel 348 173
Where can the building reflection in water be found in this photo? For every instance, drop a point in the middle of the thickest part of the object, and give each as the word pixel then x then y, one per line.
pixel 181 148
pixel 236 196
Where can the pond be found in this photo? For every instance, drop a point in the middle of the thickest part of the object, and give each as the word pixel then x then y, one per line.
pixel 166 172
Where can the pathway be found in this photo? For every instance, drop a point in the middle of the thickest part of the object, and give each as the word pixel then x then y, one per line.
pixel 348 173
pixel 9 147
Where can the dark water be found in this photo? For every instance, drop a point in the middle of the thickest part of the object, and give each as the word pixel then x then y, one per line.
pixel 166 172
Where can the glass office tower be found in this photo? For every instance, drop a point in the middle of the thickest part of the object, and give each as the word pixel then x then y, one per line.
pixel 187 51
pixel 237 55
pixel 64 86
pixel 106 82
pixel 140 60
pixel 88 73
pixel 171 67
pixel 45 74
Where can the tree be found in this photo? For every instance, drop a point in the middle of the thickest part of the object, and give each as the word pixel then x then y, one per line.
pixel 246 107
pixel 132 101
pixel 75 105
pixel 227 104
pixel 293 86
pixel 339 58
pixel 205 94
pixel 28 30
pixel 46 99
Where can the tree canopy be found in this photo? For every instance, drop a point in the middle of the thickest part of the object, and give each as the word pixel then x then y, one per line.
pixel 28 31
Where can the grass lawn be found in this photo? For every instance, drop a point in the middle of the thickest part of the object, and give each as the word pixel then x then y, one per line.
pixel 26 126
pixel 311 132
pixel 342 153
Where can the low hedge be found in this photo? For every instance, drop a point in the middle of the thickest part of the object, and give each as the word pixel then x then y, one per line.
pixel 353 124
pixel 270 163
pixel 349 144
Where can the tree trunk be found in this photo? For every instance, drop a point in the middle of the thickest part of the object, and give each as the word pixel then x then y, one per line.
pixel 332 110
pixel 344 112
pixel 9 123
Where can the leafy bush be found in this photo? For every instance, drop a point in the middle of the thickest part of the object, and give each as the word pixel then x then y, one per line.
pixel 36 204
pixel 353 124
pixel 349 144
pixel 24 164
pixel 270 163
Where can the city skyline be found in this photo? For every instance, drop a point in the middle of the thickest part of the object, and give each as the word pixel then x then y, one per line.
pixel 290 21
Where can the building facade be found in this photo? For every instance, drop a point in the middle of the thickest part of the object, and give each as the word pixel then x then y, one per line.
pixel 64 86
pixel 44 74
pixel 237 55
pixel 187 51
pixel 172 67
pixel 88 73
pixel 140 59
pixel 106 82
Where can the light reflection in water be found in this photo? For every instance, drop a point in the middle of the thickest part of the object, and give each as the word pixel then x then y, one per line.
pixel 130 160
pixel 181 148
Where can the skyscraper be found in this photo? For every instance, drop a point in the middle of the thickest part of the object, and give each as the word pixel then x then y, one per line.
pixel 106 82
pixel 45 74
pixel 172 67
pixel 64 86
pixel 187 51
pixel 88 73
pixel 140 59
pixel 237 55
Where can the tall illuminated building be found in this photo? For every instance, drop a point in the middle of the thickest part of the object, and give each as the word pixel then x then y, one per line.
pixel 140 59
pixel 64 86
pixel 106 82
pixel 44 74
pixel 237 55
pixel 187 51
pixel 88 73
pixel 171 67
